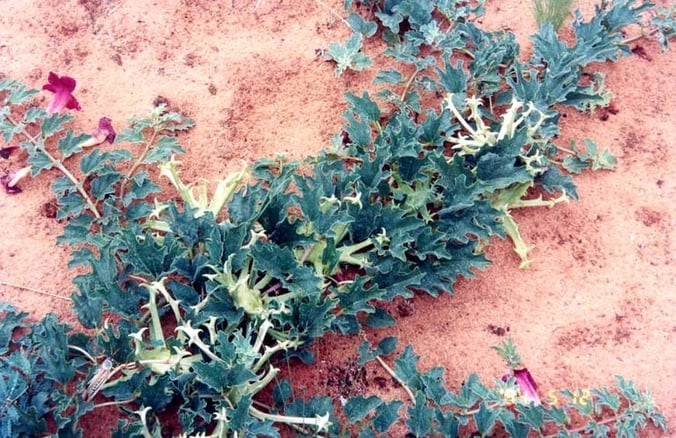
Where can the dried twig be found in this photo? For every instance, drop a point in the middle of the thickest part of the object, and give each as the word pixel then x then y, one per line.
pixel 37 291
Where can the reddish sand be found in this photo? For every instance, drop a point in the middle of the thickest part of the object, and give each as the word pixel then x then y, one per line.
pixel 599 298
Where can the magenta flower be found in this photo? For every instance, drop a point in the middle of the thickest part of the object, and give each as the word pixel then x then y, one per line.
pixel 104 132
pixel 526 384
pixel 9 182
pixel 63 88
pixel 7 151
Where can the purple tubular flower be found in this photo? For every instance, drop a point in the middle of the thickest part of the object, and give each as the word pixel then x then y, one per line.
pixel 62 87
pixel 6 152
pixel 527 385
pixel 9 182
pixel 104 132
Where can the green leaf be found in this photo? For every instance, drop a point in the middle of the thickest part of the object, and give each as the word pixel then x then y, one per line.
pixel 467 397
pixel 281 264
pixel 132 135
pixel 605 398
pixel 54 123
pixel 387 345
pixel 460 10
pixel 162 150
pixel 531 415
pixel 11 320
pixel 358 24
pixel 420 417
pixel 626 426
pixel 664 21
pixel 363 106
pixel 52 342
pixel 384 348
pixel 554 181
pixel 282 392
pixel 33 114
pixel 604 160
pixel 433 385
pixel 18 92
pixel 96 160
pixel 314 317
pixel 105 182
pixel 358 131
pixel 507 350
pixel 583 405
pixel 70 205
pixel 391 20
pixel 157 393
pixel 70 144
pixel 359 407
pixel 213 374
pixel 68 413
pixel 575 164
pixel 417 12
pixel 591 157
pixel 62 185
pixel 87 308
pixel 386 415
pixel 349 56
pixel 74 232
pixel 92 162
pixel 596 430
pixel 103 282
pixel 239 417
pixel 516 429
pixel 39 161
pixel 405 366
pixel 171 121
pixel 448 423
pixel 144 256
pixel 485 419
pixel 140 188
pixel 379 319
pixel 389 76
pixel 556 414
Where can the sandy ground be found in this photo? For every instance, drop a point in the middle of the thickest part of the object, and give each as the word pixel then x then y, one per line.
pixel 599 298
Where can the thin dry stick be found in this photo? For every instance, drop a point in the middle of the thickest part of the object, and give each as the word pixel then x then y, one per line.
pixel 334 13
pixel 37 291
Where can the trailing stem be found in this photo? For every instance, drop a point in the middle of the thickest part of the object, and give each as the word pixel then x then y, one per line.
pixel 39 146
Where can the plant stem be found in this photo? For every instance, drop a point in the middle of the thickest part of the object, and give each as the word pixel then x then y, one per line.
pixel 566 150
pixel 114 403
pixel 408 85
pixel 139 161
pixel 391 372
pixel 78 185
pixel 291 425
pixel 84 352
pixel 639 37
pixel 583 428
pixel 285 418
pixel 56 163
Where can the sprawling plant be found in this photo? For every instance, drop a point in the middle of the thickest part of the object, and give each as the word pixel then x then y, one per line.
pixel 192 302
